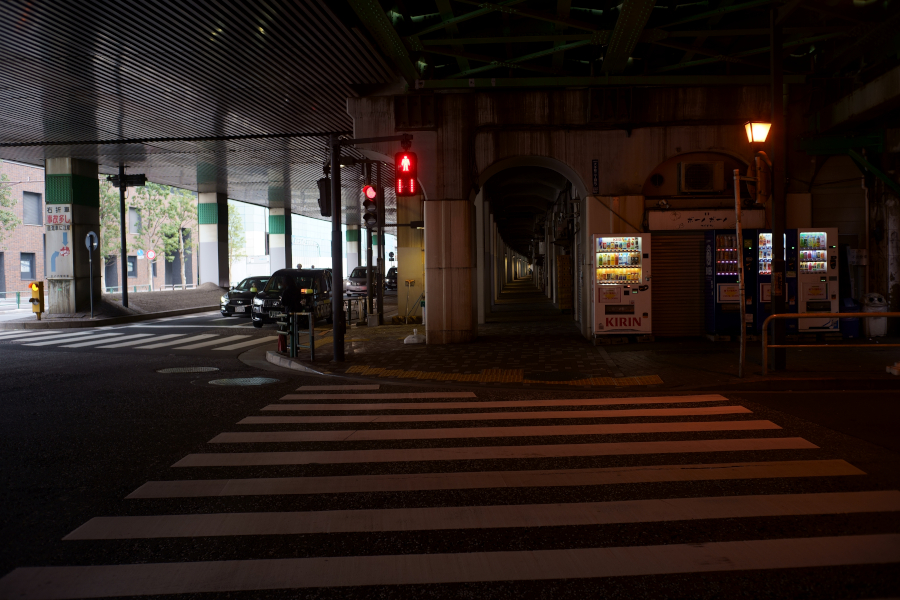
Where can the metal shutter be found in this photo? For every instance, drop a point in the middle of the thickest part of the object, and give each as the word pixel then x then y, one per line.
pixel 31 208
pixel 677 263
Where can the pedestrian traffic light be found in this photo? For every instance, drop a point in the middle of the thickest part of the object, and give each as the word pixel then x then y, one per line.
pixel 370 206
pixel 324 185
pixel 406 172
pixel 37 298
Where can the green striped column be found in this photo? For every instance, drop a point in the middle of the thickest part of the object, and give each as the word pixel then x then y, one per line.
pixel 212 218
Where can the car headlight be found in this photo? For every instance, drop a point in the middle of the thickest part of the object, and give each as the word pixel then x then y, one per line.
pixel 257 302
pixel 224 299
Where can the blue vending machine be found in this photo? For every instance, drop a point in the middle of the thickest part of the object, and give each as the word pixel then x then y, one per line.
pixel 764 277
pixel 723 296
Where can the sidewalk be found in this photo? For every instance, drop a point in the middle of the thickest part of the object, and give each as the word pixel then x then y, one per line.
pixel 109 310
pixel 525 342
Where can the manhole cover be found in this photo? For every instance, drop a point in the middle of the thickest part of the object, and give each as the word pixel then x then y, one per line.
pixel 188 370
pixel 244 381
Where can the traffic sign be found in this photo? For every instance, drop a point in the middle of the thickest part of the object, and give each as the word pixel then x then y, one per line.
pixel 91 241
pixel 140 254
pixel 151 254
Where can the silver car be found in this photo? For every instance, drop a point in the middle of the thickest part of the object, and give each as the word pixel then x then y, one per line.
pixel 355 284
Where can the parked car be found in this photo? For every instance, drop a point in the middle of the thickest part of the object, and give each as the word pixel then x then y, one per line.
pixel 316 281
pixel 355 284
pixel 238 299
pixel 390 280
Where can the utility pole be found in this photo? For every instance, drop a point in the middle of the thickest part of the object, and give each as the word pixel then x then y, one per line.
pixel 337 266
pixel 124 246
pixel 778 138
pixel 369 268
pixel 379 285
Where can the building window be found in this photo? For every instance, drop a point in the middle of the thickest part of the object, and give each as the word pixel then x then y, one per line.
pixel 153 267
pixel 26 262
pixel 32 208
pixel 132 267
pixel 134 221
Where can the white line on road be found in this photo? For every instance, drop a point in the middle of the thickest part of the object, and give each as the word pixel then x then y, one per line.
pixel 485 432
pixel 196 338
pixel 135 342
pixel 247 459
pixel 232 338
pixel 56 339
pixel 508 416
pixel 485 517
pixel 336 388
pixel 381 396
pixel 497 404
pixel 97 339
pixel 52 583
pixel 256 342
pixel 27 333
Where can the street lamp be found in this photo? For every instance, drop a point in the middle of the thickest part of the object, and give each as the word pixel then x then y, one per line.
pixel 757 131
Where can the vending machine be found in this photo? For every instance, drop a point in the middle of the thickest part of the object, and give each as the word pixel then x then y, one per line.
pixel 622 284
pixel 764 277
pixel 723 292
pixel 817 277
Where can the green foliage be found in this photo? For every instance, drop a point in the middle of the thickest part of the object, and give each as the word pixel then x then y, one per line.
pixel 8 218
pixel 150 201
pixel 181 215
pixel 109 221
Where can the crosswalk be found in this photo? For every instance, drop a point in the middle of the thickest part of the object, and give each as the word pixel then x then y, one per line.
pixel 650 461
pixel 111 339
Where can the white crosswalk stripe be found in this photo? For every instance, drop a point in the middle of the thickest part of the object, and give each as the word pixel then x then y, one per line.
pixel 652 458
pixel 232 338
pixel 112 338
pixel 248 343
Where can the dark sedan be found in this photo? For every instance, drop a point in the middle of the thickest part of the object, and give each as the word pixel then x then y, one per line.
pixel 315 283
pixel 238 299
pixel 390 280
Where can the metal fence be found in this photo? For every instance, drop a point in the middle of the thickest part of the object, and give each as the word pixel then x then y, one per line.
pixel 146 288
pixel 8 299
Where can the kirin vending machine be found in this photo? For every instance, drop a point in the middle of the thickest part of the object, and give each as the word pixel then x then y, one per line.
pixel 723 292
pixel 817 276
pixel 764 277
pixel 622 284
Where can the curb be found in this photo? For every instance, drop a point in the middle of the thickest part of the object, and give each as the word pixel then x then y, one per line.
pixel 105 322
pixel 289 363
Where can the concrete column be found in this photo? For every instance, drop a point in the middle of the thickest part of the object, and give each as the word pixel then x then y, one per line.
pixel 480 251
pixel 279 236
pixel 213 224
pixel 354 247
pixel 72 209
pixel 410 253
pixel 449 240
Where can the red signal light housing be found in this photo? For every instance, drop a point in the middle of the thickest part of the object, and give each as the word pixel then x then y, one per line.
pixel 370 192
pixel 406 173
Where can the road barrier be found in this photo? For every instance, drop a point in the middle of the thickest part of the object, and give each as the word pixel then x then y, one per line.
pixel 292 331
pixel 8 298
pixel 765 332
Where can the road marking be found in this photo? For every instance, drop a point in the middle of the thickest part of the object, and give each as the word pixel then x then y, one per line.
pixel 485 517
pixel 52 583
pixel 255 342
pixel 381 396
pixel 68 336
pixel 247 459
pixel 485 432
pixel 97 339
pixel 21 334
pixel 498 404
pixel 507 416
pixel 135 342
pixel 469 480
pixel 328 388
pixel 232 338
pixel 196 338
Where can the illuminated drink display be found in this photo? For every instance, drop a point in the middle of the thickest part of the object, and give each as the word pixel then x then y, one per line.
pixel 621 284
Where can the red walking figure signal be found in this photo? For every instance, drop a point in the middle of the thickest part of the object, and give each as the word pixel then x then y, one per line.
pixel 406 171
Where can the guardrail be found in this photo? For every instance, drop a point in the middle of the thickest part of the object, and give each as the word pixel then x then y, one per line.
pixel 292 332
pixel 5 298
pixel 146 288
pixel 765 332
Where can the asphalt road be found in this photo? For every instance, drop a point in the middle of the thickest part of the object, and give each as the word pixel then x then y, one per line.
pixel 84 428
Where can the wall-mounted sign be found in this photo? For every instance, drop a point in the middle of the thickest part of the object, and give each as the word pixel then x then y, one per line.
pixel 609 294
pixel 595 176
pixel 729 292
pixel 765 292
pixel 715 218
pixel 58 217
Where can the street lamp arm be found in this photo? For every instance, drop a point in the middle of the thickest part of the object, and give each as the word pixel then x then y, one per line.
pixel 765 157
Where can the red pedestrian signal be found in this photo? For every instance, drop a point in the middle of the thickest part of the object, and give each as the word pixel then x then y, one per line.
pixel 406 172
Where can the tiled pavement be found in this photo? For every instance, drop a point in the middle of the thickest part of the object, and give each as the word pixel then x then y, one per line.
pixel 525 341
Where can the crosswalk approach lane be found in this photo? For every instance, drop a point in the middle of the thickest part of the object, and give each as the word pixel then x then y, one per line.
pixel 397 506
pixel 122 337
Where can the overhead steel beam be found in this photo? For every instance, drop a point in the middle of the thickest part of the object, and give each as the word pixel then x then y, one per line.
pixel 603 81
pixel 865 165
pixel 536 14
pixel 493 60
pixel 378 24
pixel 519 61
pixel 633 17
pixel 563 7
pixel 701 39
pixel 648 35
pixel 721 11
pixel 446 12
pixel 737 56
pixel 483 10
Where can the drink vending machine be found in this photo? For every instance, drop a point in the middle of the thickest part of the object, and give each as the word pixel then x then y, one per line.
pixel 764 277
pixel 723 293
pixel 621 284
pixel 818 276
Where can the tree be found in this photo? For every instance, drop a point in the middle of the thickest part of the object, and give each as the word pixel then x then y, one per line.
pixel 110 246
pixel 236 241
pixel 150 201
pixel 8 218
pixel 182 214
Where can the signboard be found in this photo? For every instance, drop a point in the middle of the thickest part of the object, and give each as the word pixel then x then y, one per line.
pixel 817 291
pixel 595 176
pixel 151 255
pixel 91 242
pixel 609 294
pixel 58 217
pixel 765 292
pixel 729 292
pixel 58 228
pixel 715 218
pixel 140 254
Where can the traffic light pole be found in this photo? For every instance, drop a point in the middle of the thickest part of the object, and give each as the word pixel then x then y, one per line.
pixel 337 265
pixel 124 246
pixel 369 278
pixel 778 138
pixel 379 285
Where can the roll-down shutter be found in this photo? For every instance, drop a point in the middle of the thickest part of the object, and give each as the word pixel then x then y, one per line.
pixel 678 284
